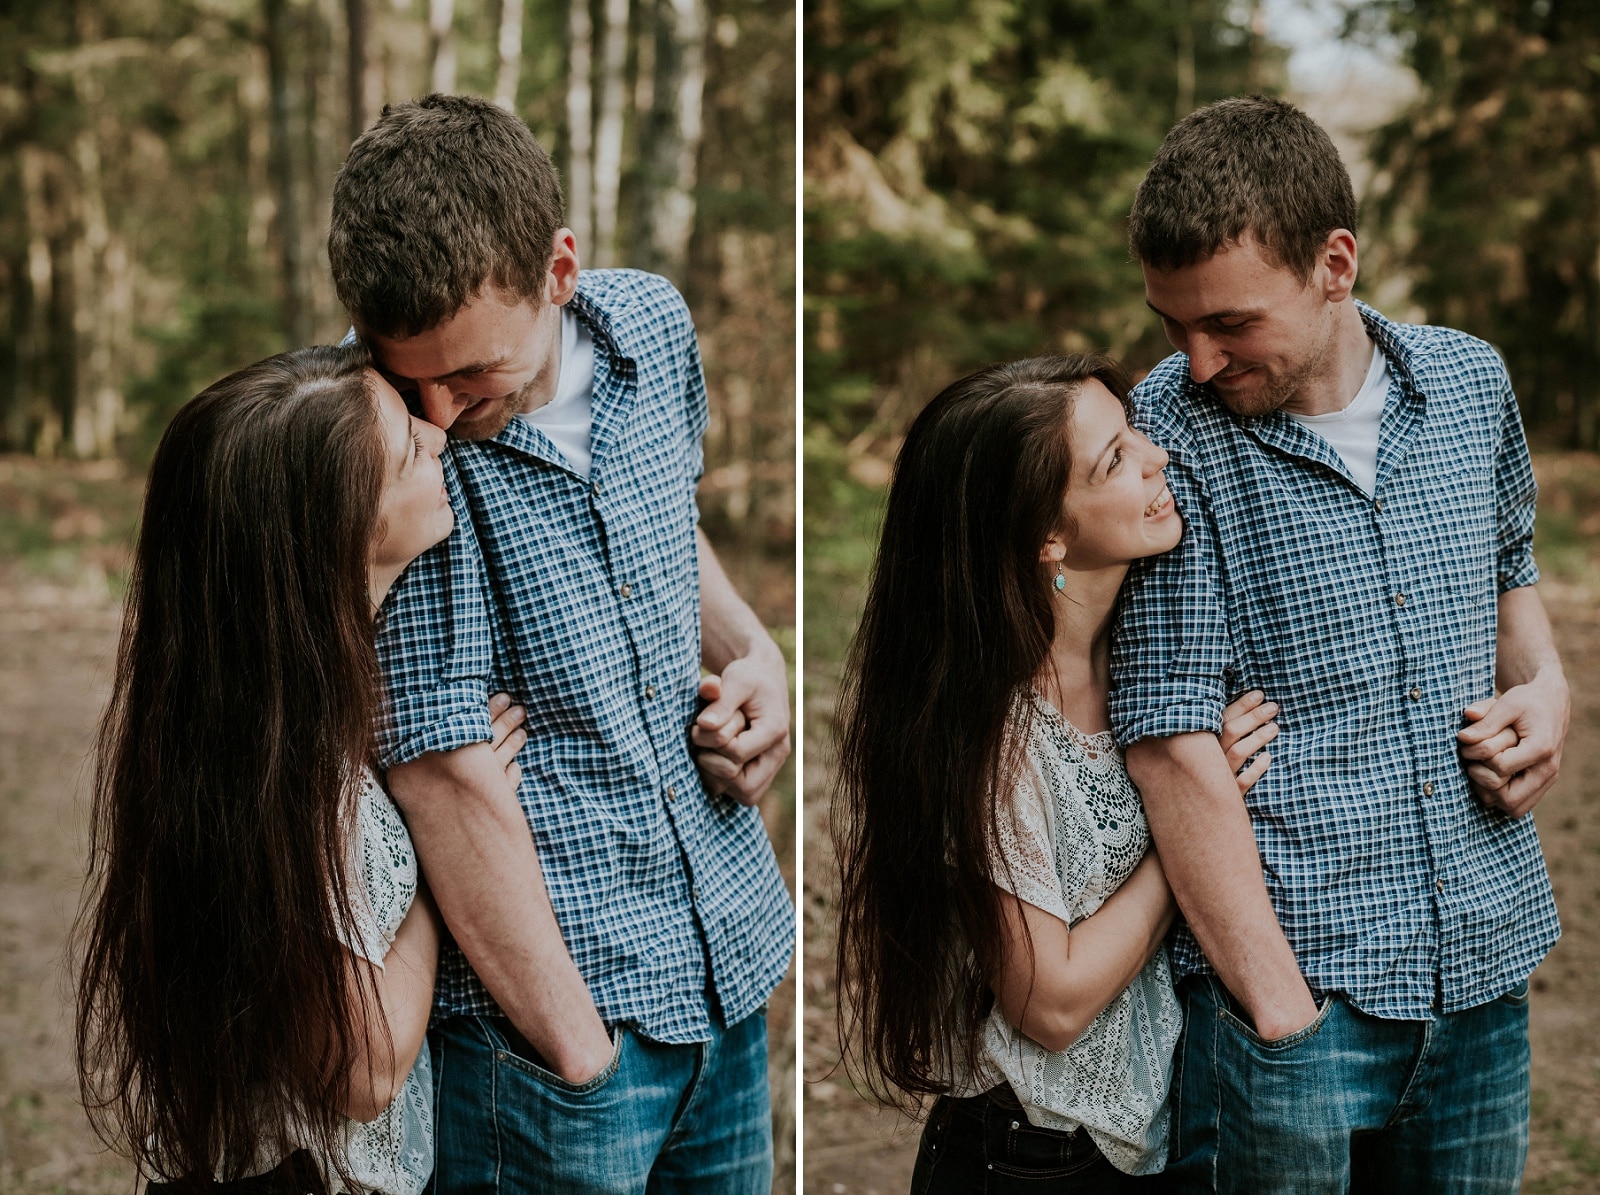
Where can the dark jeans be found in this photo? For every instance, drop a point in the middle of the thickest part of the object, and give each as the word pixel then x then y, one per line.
pixel 295 1175
pixel 1351 1103
pixel 659 1120
pixel 985 1144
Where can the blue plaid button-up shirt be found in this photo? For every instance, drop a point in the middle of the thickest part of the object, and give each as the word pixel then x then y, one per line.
pixel 581 598
pixel 1372 621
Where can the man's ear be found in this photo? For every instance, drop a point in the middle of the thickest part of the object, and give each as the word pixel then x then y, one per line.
pixel 1340 256
pixel 561 282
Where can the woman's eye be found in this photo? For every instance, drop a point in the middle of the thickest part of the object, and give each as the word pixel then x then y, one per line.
pixel 417 440
pixel 1116 459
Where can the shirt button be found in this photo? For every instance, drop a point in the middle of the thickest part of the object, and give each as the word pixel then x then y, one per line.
pixel 1399 599
pixel 1015 1125
pixel 1427 789
pixel 1438 885
pixel 1415 694
pixel 1377 504
pixel 626 590
pixel 672 793
pixel 649 692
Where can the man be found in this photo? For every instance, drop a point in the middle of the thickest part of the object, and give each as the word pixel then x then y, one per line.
pixel 1359 510
pixel 599 1021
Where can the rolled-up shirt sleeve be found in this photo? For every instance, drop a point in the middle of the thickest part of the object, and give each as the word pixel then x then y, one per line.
pixel 1171 648
pixel 434 647
pixel 1516 496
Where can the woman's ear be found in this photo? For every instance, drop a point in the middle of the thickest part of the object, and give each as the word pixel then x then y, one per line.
pixel 1054 550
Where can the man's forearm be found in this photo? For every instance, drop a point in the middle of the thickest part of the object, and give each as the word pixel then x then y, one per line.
pixel 1202 830
pixel 481 864
pixel 1525 648
pixel 729 629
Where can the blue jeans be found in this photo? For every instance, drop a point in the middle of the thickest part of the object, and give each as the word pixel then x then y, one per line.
pixel 660 1119
pixel 1350 1103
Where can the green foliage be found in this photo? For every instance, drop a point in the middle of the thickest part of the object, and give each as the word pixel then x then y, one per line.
pixel 1490 189
pixel 970 164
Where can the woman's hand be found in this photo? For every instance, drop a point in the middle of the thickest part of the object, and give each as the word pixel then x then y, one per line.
pixel 508 735
pixel 1247 727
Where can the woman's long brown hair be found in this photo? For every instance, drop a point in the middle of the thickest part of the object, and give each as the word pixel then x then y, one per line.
pixel 212 1009
pixel 958 618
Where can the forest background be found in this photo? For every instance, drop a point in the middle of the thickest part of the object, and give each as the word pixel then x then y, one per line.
pixel 968 169
pixel 165 175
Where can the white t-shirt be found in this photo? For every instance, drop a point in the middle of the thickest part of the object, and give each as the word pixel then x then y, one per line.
pixel 566 417
pixel 1353 432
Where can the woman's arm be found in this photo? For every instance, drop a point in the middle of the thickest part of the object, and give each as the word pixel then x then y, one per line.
pixel 403 990
pixel 1053 992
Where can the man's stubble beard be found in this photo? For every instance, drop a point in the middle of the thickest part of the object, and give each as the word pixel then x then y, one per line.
pixel 1279 390
pixel 501 412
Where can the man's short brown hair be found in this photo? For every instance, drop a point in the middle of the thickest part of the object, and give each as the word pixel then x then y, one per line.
pixel 439 197
pixel 1247 165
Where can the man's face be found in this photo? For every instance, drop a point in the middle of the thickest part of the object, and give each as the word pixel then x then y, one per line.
pixel 1251 327
pixel 495 358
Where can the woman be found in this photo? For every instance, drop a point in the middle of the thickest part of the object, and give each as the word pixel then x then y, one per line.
pixel 1002 911
pixel 260 950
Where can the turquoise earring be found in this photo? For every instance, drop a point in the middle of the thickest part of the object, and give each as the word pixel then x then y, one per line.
pixel 1061 577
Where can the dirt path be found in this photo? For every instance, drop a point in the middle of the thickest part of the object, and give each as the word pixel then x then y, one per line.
pixel 56 648
pixel 852 1148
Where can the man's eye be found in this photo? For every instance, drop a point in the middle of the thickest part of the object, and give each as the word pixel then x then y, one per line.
pixel 417 440
pixel 1116 459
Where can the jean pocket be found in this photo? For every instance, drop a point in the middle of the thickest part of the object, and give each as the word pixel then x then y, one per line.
pixel 1277 1043
pixel 1517 996
pixel 515 1051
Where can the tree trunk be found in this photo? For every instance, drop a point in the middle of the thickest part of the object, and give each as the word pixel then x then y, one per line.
pixel 1185 63
pixel 510 46
pixel 666 207
pixel 580 117
pixel 30 424
pixel 356 37
pixel 297 313
pixel 608 142
pixel 442 44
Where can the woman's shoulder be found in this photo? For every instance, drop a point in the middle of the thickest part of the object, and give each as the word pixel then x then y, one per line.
pixel 1053 741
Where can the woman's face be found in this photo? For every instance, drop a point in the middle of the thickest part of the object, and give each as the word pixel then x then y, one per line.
pixel 414 513
pixel 1117 497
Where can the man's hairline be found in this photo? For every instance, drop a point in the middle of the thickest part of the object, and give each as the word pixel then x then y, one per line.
pixel 365 332
pixel 1273 257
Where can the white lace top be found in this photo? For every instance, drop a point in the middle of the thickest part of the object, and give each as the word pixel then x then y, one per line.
pixel 392 1154
pixel 1074 831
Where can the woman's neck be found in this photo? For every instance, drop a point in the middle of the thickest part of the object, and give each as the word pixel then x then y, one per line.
pixel 1077 674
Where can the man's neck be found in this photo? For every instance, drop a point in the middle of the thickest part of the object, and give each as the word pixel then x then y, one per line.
pixel 1348 357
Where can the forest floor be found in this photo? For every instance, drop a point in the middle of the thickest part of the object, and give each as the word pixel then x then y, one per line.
pixel 64 531
pixel 854 1148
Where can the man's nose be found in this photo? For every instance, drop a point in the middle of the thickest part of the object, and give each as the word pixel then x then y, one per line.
pixel 438 404
pixel 1205 358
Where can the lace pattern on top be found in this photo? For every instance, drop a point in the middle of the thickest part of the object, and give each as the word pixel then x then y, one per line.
pixel 1071 833
pixel 392 1154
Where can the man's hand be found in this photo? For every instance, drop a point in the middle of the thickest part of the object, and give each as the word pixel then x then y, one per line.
pixel 1512 749
pixel 741 738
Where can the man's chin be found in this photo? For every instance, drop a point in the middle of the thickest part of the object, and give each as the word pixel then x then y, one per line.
pixel 1250 402
pixel 484 421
